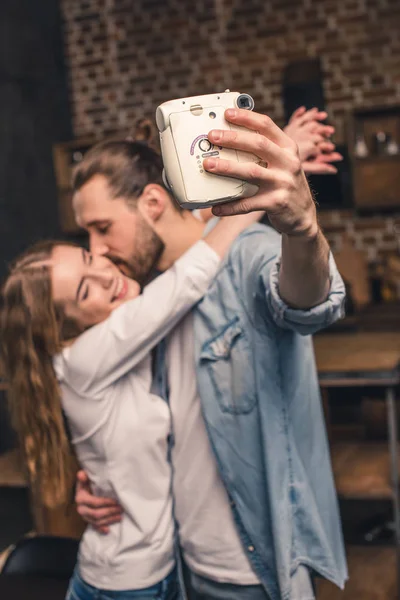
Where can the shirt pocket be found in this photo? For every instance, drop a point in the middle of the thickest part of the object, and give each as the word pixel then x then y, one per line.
pixel 227 359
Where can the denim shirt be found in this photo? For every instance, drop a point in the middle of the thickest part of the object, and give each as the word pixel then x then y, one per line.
pixel 261 403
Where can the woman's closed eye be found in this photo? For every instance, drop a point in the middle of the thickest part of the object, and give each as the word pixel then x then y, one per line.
pixel 85 293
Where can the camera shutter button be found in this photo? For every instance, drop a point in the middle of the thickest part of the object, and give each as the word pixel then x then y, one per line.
pixel 205 145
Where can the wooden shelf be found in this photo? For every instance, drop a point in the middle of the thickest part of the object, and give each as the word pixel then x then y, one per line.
pixel 362 470
pixel 376 112
pixel 377 159
pixel 372 576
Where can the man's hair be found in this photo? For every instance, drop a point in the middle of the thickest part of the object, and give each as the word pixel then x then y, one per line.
pixel 127 164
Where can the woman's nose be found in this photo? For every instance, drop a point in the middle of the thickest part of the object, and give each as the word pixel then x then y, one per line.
pixel 104 276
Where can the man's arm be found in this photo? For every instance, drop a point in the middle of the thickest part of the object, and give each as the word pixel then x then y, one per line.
pixel 304 271
pixel 98 512
pixel 286 197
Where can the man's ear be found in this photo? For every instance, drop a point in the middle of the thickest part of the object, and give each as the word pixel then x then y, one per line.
pixel 153 201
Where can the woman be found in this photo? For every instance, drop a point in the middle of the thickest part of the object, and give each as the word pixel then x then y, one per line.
pixel 76 336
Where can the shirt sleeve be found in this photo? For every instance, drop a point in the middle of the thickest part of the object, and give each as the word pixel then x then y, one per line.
pixel 256 261
pixel 310 320
pixel 112 348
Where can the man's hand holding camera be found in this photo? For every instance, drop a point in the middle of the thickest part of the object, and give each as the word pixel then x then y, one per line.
pixel 286 197
pixel 283 189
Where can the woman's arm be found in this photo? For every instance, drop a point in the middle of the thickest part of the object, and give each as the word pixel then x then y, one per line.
pixel 112 348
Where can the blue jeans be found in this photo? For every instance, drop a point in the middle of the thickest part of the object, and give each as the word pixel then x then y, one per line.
pixel 167 589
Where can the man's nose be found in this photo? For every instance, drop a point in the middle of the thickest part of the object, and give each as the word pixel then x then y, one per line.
pixel 97 246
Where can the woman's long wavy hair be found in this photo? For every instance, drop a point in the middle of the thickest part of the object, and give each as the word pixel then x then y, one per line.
pixel 32 330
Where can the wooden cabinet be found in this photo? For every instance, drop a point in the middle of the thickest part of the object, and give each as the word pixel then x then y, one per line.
pixel 363 469
pixel 377 182
pixel 374 144
pixel 371 576
pixel 65 157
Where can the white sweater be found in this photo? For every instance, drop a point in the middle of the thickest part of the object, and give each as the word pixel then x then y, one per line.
pixel 120 429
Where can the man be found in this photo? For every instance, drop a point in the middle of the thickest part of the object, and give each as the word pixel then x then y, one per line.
pixel 254 498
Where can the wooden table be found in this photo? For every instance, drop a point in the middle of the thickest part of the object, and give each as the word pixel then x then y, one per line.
pixel 18 587
pixel 357 356
pixel 366 359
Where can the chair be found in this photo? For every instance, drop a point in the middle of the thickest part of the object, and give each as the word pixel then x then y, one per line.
pixel 43 556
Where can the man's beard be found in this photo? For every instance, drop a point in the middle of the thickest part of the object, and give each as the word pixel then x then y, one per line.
pixel 148 248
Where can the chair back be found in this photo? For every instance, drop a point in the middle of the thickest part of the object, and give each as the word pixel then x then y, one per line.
pixel 43 556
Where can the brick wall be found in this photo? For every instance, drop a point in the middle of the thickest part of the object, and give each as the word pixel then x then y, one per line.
pixel 376 236
pixel 127 56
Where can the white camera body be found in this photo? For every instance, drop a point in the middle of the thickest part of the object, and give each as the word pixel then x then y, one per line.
pixel 184 125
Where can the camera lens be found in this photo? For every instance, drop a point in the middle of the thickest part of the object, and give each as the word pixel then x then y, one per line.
pixel 245 101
